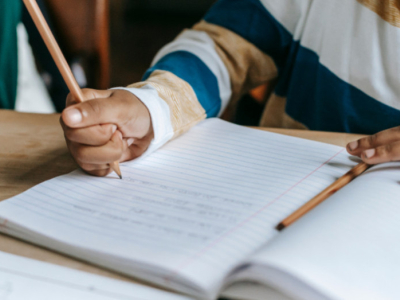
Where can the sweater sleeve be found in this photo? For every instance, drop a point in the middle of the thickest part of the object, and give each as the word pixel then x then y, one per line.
pixel 236 47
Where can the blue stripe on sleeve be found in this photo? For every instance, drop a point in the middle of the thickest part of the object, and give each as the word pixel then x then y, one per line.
pixel 322 101
pixel 194 71
pixel 252 21
pixel 315 96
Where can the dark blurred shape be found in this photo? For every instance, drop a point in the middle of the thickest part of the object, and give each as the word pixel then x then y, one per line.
pixel 140 28
pixel 57 88
pixel 82 30
pixel 248 111
pixel 193 7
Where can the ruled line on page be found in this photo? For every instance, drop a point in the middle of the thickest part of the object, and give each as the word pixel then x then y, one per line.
pixel 183 197
pixel 213 243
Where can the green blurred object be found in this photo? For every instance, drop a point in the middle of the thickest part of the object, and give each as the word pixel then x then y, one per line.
pixel 10 17
pixel 168 9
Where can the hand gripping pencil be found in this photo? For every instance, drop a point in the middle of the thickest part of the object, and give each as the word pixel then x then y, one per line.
pixel 59 58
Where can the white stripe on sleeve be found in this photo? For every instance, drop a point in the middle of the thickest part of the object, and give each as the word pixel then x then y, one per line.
pixel 201 45
pixel 351 40
pixel 160 115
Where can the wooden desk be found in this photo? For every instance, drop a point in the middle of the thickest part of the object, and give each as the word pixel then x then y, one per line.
pixel 32 150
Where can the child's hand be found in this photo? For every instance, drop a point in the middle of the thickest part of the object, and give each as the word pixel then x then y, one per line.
pixel 378 148
pixel 112 125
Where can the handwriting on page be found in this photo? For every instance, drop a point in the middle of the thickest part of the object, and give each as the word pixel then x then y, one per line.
pixel 191 198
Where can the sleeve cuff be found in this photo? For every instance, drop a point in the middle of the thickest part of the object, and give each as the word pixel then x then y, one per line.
pixel 160 115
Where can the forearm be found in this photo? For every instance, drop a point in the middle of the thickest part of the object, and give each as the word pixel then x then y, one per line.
pixel 210 66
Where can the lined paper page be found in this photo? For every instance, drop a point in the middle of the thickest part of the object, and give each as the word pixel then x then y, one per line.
pixel 195 208
pixel 22 278
pixel 348 247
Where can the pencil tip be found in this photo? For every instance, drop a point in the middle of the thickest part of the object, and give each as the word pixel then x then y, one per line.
pixel 280 227
pixel 115 167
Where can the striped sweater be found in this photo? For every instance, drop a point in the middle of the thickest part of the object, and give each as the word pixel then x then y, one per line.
pixel 336 64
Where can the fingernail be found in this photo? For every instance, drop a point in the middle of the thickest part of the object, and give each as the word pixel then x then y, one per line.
pixel 114 128
pixel 369 153
pixel 74 116
pixel 130 141
pixel 353 145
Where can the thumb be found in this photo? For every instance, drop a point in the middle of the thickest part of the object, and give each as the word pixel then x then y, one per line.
pixel 88 94
pixel 98 109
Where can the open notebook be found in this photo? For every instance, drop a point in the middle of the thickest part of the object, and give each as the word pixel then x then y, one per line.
pixel 199 215
pixel 26 279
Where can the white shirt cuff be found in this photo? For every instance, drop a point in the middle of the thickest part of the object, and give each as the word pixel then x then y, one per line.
pixel 160 115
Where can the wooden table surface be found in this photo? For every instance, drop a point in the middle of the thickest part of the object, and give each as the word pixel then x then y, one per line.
pixel 32 150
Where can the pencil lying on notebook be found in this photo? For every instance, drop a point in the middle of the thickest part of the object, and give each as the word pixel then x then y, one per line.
pixel 333 188
pixel 59 58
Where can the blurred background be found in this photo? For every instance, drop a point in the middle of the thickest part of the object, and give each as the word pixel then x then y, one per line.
pixel 139 28
pixel 111 43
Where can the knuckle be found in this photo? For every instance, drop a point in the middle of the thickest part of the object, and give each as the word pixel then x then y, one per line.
pixel 100 173
pixel 388 148
pixel 121 146
pixel 69 134
pixel 75 151
pixel 385 150
pixel 395 132
pixel 118 147
pixel 101 141
pixel 70 100
pixel 371 139
pixel 94 107
pixel 86 167
pixel 79 153
pixel 88 94
pixel 105 131
pixel 90 172
pixel 90 167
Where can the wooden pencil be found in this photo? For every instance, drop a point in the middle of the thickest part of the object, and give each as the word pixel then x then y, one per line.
pixel 59 58
pixel 333 188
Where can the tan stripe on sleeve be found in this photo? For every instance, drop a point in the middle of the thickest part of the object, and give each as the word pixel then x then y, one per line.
pixel 389 10
pixel 247 65
pixel 275 116
pixel 186 111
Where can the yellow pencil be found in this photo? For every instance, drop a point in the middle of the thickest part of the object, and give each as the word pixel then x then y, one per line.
pixel 333 188
pixel 59 58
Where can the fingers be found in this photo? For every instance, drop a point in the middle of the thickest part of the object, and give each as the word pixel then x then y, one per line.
pixel 382 138
pixel 121 108
pixel 91 112
pixel 99 155
pixel 94 135
pixel 108 107
pixel 96 160
pixel 378 148
pixel 138 147
pixel 101 130
pixel 381 154
pixel 88 94
pixel 96 170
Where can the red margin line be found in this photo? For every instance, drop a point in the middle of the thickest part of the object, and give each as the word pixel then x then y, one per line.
pixel 219 239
